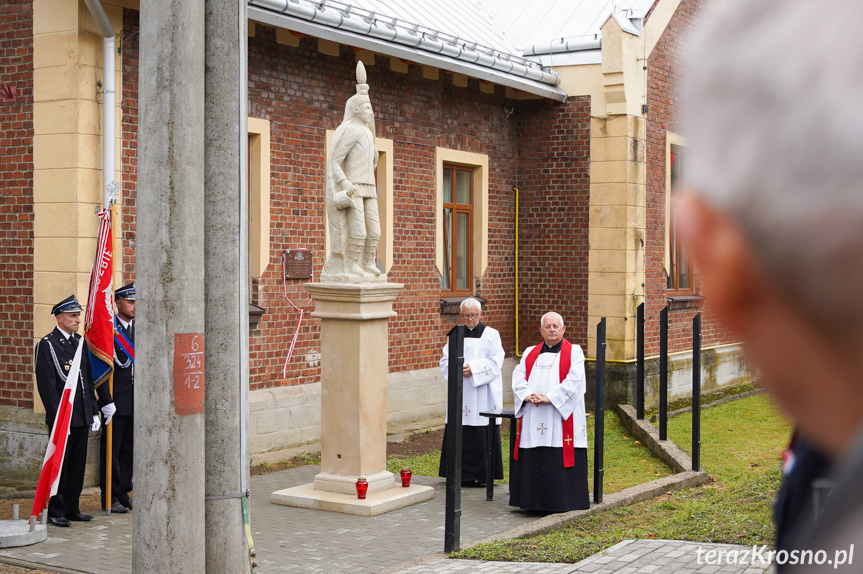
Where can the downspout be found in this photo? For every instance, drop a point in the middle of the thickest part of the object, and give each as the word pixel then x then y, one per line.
pixel 517 348
pixel 109 99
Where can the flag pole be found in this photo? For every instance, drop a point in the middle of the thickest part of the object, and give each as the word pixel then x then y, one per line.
pixel 109 428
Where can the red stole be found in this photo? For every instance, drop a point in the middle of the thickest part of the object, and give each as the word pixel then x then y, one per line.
pixel 565 362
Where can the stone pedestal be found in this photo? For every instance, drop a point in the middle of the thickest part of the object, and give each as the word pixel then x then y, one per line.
pixel 354 368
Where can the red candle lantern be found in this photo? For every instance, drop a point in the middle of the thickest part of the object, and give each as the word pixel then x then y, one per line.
pixel 406 477
pixel 362 487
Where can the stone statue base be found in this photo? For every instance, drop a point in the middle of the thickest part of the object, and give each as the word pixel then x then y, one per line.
pixel 354 369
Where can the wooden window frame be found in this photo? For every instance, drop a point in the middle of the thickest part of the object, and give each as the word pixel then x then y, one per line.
pixel 675 147
pixel 459 208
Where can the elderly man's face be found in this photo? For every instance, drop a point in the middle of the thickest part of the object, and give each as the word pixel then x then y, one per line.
pixel 69 322
pixel 471 316
pixel 552 330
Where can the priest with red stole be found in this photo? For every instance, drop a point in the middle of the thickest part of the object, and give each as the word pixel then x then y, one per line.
pixel 549 473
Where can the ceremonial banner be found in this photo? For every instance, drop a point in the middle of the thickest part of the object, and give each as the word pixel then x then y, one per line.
pixel 99 320
pixel 49 478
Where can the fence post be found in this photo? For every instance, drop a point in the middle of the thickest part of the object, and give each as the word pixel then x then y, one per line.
pixel 599 414
pixel 663 374
pixel 452 519
pixel 639 363
pixel 696 392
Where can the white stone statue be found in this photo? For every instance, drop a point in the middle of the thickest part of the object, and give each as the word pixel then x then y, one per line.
pixel 352 199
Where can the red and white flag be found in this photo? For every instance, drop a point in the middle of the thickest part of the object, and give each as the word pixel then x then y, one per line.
pixel 49 478
pixel 99 318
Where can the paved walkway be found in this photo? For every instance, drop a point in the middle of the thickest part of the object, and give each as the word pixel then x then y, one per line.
pixel 308 541
pixel 627 557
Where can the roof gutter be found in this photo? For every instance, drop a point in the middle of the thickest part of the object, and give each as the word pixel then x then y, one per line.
pixel 561 46
pixel 389 40
pixel 109 100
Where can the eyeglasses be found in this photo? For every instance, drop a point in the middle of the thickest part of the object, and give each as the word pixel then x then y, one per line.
pixel 471 315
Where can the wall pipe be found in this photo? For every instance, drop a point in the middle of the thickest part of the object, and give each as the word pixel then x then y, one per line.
pixel 109 99
pixel 517 348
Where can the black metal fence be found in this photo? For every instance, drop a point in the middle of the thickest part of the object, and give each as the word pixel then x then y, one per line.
pixel 663 378
pixel 454 407
pixel 599 414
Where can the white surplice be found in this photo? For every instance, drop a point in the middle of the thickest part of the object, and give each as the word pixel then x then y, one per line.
pixel 483 390
pixel 542 425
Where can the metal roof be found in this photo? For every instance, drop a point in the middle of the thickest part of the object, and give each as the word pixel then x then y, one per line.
pixel 543 22
pixel 502 41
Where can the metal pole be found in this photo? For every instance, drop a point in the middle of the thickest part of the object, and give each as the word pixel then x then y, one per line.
pixel 663 374
pixel 599 414
pixel 489 459
pixel 639 363
pixel 455 380
pixel 696 392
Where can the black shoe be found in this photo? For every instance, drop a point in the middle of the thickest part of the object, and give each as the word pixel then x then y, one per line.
pixel 59 521
pixel 79 517
pixel 118 508
pixel 125 501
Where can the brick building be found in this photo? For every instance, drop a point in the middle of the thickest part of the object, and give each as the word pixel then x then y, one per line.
pixel 549 137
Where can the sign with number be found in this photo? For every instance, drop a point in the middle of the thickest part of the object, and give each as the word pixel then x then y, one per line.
pixel 188 373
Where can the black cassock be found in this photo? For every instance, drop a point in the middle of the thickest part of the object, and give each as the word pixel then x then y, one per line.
pixel 474 440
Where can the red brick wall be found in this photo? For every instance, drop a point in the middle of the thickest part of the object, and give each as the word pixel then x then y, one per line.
pixel 129 125
pixel 554 186
pixel 302 93
pixel 664 76
pixel 16 205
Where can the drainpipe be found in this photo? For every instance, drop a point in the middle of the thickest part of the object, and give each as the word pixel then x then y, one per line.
pixel 517 348
pixel 109 99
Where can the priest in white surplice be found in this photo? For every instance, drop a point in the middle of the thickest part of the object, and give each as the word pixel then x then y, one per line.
pixel 482 391
pixel 549 473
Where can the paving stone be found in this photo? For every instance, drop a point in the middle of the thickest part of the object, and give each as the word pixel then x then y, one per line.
pixel 295 540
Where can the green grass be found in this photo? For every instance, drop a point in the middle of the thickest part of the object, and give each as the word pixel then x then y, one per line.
pixel 742 443
pixel 420 465
pixel 627 462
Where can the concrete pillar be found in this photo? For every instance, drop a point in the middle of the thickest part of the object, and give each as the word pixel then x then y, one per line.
pixel 169 429
pixel 227 311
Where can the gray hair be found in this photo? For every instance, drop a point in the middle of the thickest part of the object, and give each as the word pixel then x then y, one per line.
pixel 470 303
pixel 775 130
pixel 550 314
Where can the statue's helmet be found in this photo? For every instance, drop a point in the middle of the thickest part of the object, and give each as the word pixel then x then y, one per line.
pixel 362 95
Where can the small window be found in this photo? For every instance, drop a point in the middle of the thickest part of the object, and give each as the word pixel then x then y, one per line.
pixel 458 197
pixel 680 267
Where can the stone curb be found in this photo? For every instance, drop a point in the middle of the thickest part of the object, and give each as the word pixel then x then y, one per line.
pixel 37 566
pixel 648 435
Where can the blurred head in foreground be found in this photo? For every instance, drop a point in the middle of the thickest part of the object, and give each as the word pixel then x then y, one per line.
pixel 774 214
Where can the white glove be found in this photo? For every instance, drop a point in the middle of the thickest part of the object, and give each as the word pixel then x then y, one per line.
pixel 108 411
pixel 96 424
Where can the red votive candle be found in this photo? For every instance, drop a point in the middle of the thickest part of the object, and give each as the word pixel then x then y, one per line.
pixel 362 487
pixel 406 477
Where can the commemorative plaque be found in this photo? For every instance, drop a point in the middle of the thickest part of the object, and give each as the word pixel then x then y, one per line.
pixel 298 264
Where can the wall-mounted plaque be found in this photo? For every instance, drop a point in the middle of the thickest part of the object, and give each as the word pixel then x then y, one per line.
pixel 298 264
